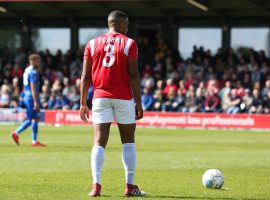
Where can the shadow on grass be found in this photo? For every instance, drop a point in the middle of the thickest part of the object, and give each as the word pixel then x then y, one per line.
pixel 187 197
pixel 191 197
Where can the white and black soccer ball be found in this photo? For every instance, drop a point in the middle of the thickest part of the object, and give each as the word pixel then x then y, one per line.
pixel 213 178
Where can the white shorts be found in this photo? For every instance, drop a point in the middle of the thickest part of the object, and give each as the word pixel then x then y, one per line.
pixel 104 110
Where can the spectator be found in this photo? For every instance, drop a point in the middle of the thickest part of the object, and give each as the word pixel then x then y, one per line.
pixel 190 105
pixel 257 103
pixel 169 85
pixel 44 96
pixel 56 87
pixel 160 85
pixel 170 103
pixel 147 69
pixel 61 102
pixel 147 99
pixel 225 90
pixel 212 85
pixel 182 87
pixel 67 88
pixel 179 101
pixel 266 103
pixel 74 96
pixel 5 97
pixel 51 101
pixel 17 71
pixel 158 100
pixel 246 102
pixel 15 88
pixel 211 102
pixel 256 74
pixel 199 100
pixel 266 89
pixel 225 100
pixel 147 78
pixel 234 103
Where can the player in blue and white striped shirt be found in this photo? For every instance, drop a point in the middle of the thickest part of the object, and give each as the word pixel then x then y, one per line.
pixel 31 101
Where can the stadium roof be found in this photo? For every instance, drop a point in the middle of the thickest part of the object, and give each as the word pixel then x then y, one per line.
pixel 137 9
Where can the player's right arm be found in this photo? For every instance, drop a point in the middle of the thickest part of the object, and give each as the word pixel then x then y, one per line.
pixel 135 79
pixel 86 80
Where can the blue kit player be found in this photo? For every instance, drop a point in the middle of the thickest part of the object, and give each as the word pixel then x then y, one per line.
pixel 31 101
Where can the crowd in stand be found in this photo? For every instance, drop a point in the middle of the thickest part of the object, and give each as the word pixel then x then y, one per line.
pixel 232 81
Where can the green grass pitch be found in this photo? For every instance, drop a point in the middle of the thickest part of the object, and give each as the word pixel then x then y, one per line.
pixel 170 164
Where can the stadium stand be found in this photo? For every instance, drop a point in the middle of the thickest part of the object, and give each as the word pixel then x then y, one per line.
pixel 233 81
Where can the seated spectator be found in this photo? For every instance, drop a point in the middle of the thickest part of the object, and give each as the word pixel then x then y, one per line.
pixel 5 97
pixel 266 89
pixel 189 80
pixel 246 101
pixel 169 65
pixel 16 90
pixel 212 85
pixel 182 87
pixel 17 71
pixel 44 96
pixel 147 69
pixel 169 104
pixel 147 99
pixel 147 78
pixel 257 103
pixel 67 88
pixel 160 85
pixel 266 104
pixel 74 96
pixel 169 85
pixel 61 102
pixel 199 100
pixel 51 101
pixel 256 75
pixel 56 87
pixel 240 90
pixel 158 100
pixel 179 102
pixel 211 102
pixel 202 88
pixel 190 105
pixel 225 90
pixel 234 103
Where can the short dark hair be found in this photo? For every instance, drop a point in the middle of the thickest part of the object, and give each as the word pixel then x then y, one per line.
pixel 33 56
pixel 117 15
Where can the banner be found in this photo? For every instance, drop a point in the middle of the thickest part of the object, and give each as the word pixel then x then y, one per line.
pixel 176 120
pixel 11 115
pixel 8 115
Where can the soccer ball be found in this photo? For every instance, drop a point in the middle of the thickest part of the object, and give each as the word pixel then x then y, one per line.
pixel 213 178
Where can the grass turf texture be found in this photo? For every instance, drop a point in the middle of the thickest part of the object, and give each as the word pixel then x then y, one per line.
pixel 170 164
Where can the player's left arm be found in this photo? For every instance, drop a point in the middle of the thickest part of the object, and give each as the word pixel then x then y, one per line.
pixel 33 80
pixel 135 79
pixel 86 80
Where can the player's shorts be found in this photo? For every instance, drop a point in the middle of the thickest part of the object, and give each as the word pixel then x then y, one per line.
pixel 29 105
pixel 104 110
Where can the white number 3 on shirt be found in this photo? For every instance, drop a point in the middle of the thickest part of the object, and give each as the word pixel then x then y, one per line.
pixel 109 49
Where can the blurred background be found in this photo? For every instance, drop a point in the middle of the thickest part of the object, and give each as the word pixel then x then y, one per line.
pixel 194 56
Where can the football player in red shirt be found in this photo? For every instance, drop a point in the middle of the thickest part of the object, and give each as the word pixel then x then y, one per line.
pixel 111 66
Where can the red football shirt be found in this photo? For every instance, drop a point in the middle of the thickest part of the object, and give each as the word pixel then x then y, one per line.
pixel 109 55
